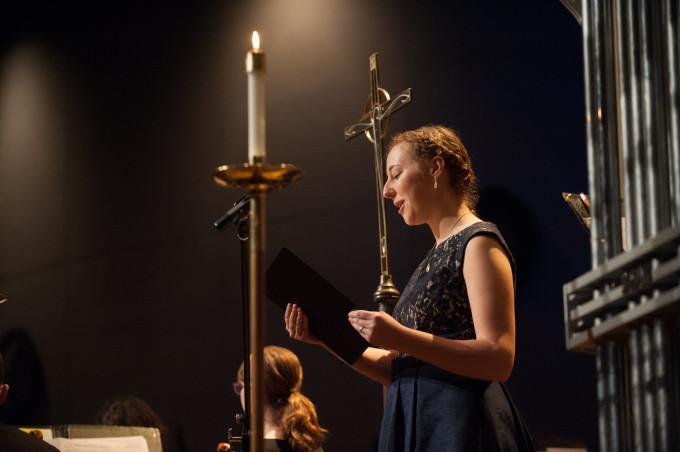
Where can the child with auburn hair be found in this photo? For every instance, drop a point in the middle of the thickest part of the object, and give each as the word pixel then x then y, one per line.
pixel 290 420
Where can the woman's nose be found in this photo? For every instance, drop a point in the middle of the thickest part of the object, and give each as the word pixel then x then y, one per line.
pixel 388 192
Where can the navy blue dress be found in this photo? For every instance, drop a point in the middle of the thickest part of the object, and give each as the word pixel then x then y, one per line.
pixel 427 408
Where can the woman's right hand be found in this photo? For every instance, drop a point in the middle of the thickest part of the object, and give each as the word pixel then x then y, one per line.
pixel 297 325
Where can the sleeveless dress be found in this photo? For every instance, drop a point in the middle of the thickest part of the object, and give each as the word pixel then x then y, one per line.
pixel 427 408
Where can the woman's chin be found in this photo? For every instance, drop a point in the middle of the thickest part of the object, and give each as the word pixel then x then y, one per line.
pixel 412 220
pixel 409 221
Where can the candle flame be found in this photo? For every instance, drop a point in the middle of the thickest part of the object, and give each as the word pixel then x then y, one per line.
pixel 256 40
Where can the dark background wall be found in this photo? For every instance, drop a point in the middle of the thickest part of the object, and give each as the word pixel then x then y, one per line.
pixel 113 116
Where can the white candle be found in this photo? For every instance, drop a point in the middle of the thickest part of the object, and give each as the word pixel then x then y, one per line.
pixel 255 68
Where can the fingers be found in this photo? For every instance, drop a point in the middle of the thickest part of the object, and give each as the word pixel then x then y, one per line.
pixel 362 315
pixel 289 320
pixel 300 331
pixel 363 327
pixel 362 321
pixel 358 323
pixel 297 323
pixel 286 318
pixel 293 321
pixel 357 314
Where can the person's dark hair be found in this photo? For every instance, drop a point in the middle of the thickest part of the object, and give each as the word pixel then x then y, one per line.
pixel 2 369
pixel 438 141
pixel 283 381
pixel 130 411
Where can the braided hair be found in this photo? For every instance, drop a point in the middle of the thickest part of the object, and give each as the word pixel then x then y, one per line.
pixel 438 141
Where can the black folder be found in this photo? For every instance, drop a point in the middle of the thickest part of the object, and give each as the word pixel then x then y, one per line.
pixel 290 280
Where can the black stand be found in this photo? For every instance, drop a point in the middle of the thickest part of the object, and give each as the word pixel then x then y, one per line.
pixel 237 216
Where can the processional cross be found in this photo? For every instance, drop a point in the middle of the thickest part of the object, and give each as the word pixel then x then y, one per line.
pixel 374 125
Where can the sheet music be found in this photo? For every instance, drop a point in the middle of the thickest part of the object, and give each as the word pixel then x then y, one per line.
pixel 117 444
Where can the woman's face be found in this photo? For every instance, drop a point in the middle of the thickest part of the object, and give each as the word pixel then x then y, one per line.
pixel 409 184
pixel 241 392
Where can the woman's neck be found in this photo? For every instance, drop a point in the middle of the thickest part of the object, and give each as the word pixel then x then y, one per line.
pixel 273 429
pixel 448 221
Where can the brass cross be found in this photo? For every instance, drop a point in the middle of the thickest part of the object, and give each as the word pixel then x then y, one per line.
pixel 374 124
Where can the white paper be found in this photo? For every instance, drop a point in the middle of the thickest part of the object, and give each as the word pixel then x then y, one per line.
pixel 111 444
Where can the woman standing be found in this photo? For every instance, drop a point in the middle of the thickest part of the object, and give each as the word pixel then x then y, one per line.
pixel 451 339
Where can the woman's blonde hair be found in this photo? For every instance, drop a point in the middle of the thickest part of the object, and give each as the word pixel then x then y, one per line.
pixel 438 141
pixel 282 382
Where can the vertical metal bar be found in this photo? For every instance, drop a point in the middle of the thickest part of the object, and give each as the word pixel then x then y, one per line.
pixel 614 395
pixel 670 39
pixel 245 303
pixel 601 131
pixel 662 126
pixel 602 393
pixel 661 358
pixel 649 116
pixel 660 158
pixel 258 221
pixel 625 399
pixel 623 38
pixel 379 183
pixel 610 102
pixel 636 391
pixel 636 163
pixel 378 148
pixel 635 200
pixel 594 126
pixel 648 388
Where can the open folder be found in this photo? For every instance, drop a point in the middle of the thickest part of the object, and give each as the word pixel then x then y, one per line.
pixel 290 280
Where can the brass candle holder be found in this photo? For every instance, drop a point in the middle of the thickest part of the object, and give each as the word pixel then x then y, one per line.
pixel 257 177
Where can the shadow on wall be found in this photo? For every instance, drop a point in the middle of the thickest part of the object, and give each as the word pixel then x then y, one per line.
pixel 516 222
pixel 27 402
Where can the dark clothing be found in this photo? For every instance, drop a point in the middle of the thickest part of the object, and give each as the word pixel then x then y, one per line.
pixel 279 445
pixel 427 408
pixel 14 440
pixel 276 445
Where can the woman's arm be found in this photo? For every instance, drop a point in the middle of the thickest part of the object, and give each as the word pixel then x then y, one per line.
pixel 374 363
pixel 490 356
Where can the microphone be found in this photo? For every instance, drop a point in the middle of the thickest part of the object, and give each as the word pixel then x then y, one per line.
pixel 237 216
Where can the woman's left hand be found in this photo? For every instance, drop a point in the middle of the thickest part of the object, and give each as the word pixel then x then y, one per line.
pixel 378 328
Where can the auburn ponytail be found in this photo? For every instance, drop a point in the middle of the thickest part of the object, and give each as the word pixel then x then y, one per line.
pixel 302 425
pixel 282 383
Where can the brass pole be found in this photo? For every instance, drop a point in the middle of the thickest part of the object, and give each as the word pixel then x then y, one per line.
pixel 386 295
pixel 258 222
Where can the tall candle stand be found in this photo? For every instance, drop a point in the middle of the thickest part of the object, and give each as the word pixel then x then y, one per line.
pixel 258 179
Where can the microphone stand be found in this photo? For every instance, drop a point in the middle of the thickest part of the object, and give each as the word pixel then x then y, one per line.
pixel 237 216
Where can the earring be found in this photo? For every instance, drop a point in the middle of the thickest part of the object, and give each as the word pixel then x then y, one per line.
pixel 435 182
